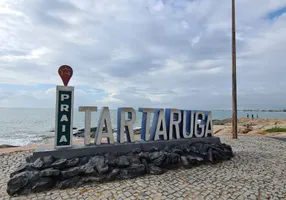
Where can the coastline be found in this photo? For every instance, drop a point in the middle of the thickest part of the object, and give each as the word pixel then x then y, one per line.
pixel 246 127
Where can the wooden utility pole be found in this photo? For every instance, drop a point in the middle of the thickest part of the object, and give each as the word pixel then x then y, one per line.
pixel 234 96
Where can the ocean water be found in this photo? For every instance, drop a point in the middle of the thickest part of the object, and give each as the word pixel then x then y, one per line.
pixel 25 126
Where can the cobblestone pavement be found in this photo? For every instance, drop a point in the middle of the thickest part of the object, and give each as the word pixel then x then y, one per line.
pixel 258 171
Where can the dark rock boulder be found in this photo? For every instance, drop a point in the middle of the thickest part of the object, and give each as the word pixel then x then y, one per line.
pixel 23 167
pixel 174 158
pixel 29 159
pixel 210 155
pixel 43 184
pixel 50 172
pixel 69 183
pixel 184 161
pixel 155 170
pixel 134 160
pixel 90 179
pixel 177 151
pixel 2 146
pixel 157 157
pixel 59 164
pixel 122 161
pixel 131 172
pixel 71 172
pixel 113 174
pixel 194 160
pixel 145 163
pixel 43 162
pixel 80 132
pixel 110 159
pixel 72 162
pixel 99 163
pixel 227 150
pixel 45 172
pixel 144 155
pixel 83 160
pixel 17 182
pixel 87 169
pixel 154 149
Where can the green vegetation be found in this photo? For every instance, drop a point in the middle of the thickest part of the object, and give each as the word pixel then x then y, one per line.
pixel 276 129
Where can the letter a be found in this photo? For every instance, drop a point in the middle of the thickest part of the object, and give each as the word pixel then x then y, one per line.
pixel 63 139
pixel 64 118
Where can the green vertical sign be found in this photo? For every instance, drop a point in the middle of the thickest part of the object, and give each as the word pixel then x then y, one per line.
pixel 64 117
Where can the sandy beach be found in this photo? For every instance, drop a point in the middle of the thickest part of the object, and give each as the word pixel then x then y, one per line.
pixel 250 127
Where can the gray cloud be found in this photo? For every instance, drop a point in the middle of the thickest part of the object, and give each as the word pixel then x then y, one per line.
pixel 144 53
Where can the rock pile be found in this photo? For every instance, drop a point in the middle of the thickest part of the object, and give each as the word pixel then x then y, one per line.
pixel 48 172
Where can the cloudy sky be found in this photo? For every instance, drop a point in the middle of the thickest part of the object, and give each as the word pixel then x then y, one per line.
pixel 143 53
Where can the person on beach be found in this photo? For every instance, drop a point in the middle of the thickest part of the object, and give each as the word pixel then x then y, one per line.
pixel 247 115
pixel 257 116
pixel 252 116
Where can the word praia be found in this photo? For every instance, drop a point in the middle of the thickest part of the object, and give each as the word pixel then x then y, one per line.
pixel 167 124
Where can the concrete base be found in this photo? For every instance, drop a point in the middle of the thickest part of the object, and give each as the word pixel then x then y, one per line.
pixel 117 148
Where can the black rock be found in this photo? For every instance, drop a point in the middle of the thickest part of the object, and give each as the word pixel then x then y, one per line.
pixel 133 171
pixel 87 169
pixel 83 160
pixel 71 172
pixel 79 134
pixel 72 162
pixel 21 168
pixel 227 149
pixel 69 183
pixel 29 158
pixel 174 158
pixel 134 160
pixel 27 178
pixel 145 163
pixel 155 170
pixel 167 148
pixel 42 184
pixel 193 160
pixel 50 172
pixel 157 157
pixel 91 129
pixel 196 148
pixel 144 155
pixel 122 162
pixel 43 162
pixel 17 182
pixel 99 163
pixel 153 149
pixel 59 164
pixel 90 179
pixel 178 151
pixel 113 174
pixel 111 159
pixel 7 146
pixel 210 155
pixel 184 161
